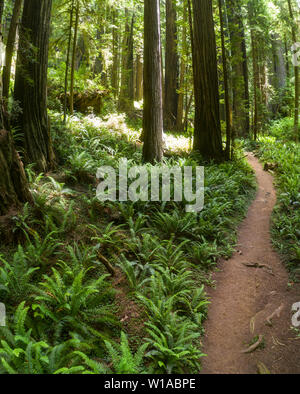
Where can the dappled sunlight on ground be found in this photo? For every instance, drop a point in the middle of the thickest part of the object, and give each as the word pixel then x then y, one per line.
pixel 117 123
pixel 177 143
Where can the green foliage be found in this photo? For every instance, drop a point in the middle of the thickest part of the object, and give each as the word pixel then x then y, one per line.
pixel 16 277
pixel 72 301
pixel 123 360
pixel 286 218
pixel 21 354
pixel 175 224
pixel 173 349
pixel 283 129
pixel 164 253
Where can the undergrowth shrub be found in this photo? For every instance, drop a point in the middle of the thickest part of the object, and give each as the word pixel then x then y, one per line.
pixel 71 323
pixel 285 158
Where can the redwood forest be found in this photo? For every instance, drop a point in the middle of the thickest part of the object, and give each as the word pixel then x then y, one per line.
pixel 149 188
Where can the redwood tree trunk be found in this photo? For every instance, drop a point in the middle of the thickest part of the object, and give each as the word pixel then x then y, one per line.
pixel 10 48
pixel 126 99
pixel 139 78
pixel 239 64
pixel 207 135
pixel 74 58
pixel 296 72
pixel 31 84
pixel 171 68
pixel 180 106
pixel 153 114
pixel 255 72
pixel 226 85
pixel 68 60
pixel 246 80
pixel 1 13
pixel 13 184
pixel 116 57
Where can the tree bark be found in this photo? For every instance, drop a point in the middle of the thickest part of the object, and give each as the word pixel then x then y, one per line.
pixel 116 58
pixel 10 49
pixel 13 183
pixel 240 80
pixel 180 106
pixel 126 98
pixel 68 60
pixel 139 78
pixel 252 18
pixel 246 80
pixel 153 114
pixel 226 86
pixel 296 72
pixel 1 13
pixel 287 60
pixel 171 68
pixel 31 84
pixel 207 134
pixel 74 58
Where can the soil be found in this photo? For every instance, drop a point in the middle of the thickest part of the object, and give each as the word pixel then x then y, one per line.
pixel 253 298
pixel 131 315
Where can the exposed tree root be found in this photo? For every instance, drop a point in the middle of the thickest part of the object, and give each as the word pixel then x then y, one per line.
pixel 256 345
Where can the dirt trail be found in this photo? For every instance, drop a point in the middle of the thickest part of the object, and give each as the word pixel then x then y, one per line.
pixel 246 296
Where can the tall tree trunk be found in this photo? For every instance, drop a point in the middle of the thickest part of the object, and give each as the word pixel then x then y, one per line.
pixel 180 106
pixel 226 85
pixel 130 66
pixel 139 78
pixel 31 84
pixel 246 80
pixel 10 48
pixel 13 184
pixel 240 80
pixel 162 75
pixel 153 114
pixel 68 60
pixel 74 58
pixel 287 60
pixel 171 68
pixel 255 86
pixel 126 98
pixel 1 13
pixel 278 79
pixel 296 72
pixel 207 135
pixel 252 19
pixel 116 58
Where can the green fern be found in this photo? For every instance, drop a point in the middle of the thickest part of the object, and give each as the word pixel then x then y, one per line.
pixel 123 361
pixel 74 304
pixel 172 348
pixel 16 276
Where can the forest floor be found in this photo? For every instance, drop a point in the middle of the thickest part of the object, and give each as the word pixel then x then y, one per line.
pixel 252 301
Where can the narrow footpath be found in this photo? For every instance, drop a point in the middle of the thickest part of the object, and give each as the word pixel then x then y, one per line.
pixel 248 330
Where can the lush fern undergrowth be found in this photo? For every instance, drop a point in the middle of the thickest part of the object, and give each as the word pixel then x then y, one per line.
pixel 65 312
pixel 283 157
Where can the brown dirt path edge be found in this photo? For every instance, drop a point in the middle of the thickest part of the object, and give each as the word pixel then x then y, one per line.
pixel 245 297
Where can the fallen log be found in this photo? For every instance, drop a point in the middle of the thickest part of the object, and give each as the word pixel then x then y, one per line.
pixel 86 102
